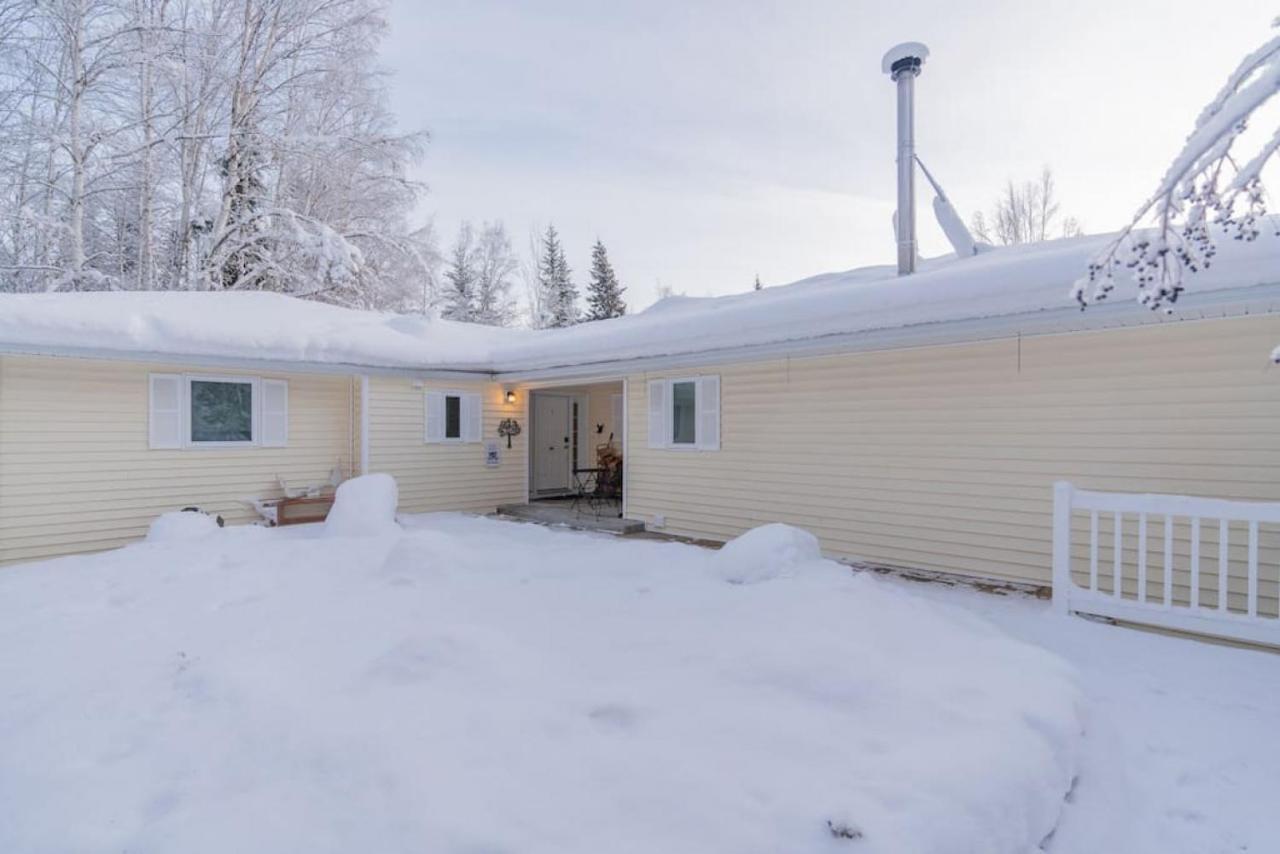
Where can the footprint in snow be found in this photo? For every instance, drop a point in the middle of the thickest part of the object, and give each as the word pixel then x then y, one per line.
pixel 614 716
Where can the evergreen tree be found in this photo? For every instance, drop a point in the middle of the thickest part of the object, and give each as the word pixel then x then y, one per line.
pixel 604 294
pixel 759 286
pixel 460 278
pixel 557 292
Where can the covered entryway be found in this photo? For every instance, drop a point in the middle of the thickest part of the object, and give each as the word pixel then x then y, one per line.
pixel 577 452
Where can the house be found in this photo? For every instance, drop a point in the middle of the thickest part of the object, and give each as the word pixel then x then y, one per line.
pixel 914 422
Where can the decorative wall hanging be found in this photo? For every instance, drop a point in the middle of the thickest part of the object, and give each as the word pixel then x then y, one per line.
pixel 509 427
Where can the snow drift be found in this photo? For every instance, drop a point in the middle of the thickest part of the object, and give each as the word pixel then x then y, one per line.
pixel 766 552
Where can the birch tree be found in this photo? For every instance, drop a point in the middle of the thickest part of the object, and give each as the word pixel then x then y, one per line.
pixel 495 264
pixel 214 144
pixel 1028 212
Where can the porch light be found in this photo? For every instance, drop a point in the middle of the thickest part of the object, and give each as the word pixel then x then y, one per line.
pixel 510 396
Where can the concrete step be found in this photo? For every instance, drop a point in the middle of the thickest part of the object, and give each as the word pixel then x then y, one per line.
pixel 563 514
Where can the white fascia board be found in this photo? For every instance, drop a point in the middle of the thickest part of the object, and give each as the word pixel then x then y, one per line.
pixel 241 363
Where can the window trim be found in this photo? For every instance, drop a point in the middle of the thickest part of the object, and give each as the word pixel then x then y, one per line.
pixel 255 411
pixel 445 438
pixel 463 419
pixel 700 443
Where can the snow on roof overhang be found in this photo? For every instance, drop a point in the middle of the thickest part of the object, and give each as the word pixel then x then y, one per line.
pixel 1006 291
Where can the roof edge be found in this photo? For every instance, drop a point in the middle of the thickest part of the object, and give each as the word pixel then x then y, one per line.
pixel 238 362
pixel 1216 305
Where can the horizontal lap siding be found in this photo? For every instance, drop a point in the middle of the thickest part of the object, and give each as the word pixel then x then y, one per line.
pixel 76 472
pixel 943 458
pixel 444 476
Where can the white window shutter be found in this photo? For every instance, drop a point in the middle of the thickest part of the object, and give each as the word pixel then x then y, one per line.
pixel 709 413
pixel 165 415
pixel 435 416
pixel 275 413
pixel 659 428
pixel 472 418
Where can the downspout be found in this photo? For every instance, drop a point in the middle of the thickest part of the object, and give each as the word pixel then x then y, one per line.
pixel 626 442
pixel 364 424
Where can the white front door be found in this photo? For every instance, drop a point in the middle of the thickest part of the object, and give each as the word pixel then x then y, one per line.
pixel 551 441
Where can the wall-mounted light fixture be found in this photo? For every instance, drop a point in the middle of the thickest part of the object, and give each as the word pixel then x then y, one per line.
pixel 509 396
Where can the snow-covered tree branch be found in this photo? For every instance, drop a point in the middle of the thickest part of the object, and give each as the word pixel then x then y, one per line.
pixel 206 144
pixel 1212 187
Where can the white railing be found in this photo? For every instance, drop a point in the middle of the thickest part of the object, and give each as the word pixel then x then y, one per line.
pixel 1221 616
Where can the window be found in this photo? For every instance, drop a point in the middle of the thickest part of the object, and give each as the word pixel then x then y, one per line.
pixel 221 411
pixel 187 411
pixel 684 412
pixel 452 416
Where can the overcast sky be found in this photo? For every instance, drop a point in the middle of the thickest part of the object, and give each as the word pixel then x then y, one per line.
pixel 706 142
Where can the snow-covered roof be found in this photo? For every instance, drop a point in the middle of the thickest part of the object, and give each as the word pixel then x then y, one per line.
pixel 1014 288
pixel 249 325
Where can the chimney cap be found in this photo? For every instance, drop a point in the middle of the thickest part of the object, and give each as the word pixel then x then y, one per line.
pixel 908 55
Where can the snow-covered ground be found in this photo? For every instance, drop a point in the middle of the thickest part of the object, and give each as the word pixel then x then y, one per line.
pixel 1182 737
pixel 481 686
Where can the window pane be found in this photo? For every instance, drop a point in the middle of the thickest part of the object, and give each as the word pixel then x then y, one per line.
pixel 452 417
pixel 684 418
pixel 221 412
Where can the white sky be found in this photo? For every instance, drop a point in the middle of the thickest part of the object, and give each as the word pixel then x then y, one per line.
pixel 707 141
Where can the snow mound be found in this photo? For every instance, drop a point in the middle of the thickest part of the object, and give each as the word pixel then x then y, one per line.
pixel 364 507
pixel 765 552
pixel 180 526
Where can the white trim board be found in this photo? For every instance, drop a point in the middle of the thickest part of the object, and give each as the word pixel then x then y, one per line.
pixel 275 366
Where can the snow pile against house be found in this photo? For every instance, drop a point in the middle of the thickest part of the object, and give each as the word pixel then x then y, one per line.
pixel 181 526
pixel 1018 285
pixel 364 507
pixel 476 685
pixel 766 552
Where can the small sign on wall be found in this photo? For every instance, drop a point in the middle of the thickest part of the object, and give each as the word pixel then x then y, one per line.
pixel 492 456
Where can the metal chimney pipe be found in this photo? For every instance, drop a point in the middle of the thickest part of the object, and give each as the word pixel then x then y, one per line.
pixel 902 63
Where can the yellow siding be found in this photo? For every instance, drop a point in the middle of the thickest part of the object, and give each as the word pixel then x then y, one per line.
pixel 943 458
pixel 600 413
pixel 444 476
pixel 76 472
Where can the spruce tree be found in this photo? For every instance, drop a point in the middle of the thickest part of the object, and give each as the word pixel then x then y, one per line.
pixel 460 278
pixel 557 292
pixel 604 294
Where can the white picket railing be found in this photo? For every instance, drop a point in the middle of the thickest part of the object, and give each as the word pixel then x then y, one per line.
pixel 1189 613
